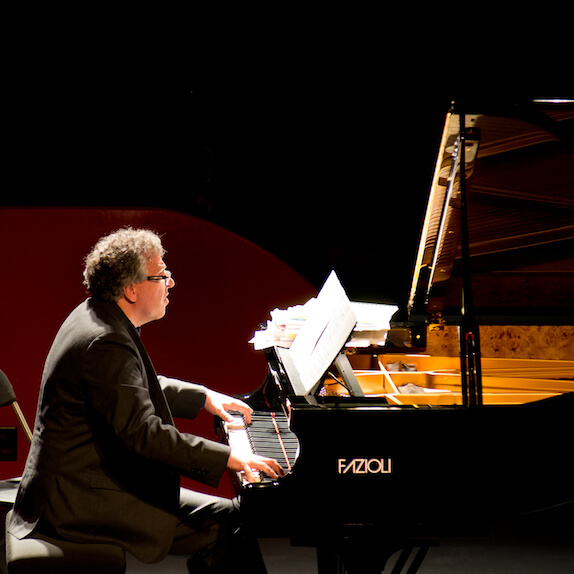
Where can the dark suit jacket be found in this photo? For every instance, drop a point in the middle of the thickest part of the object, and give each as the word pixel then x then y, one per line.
pixel 105 460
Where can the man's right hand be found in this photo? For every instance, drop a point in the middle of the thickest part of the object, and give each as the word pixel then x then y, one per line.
pixel 249 464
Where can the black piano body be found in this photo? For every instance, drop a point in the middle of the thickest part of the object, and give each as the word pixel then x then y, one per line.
pixel 385 469
pixel 372 478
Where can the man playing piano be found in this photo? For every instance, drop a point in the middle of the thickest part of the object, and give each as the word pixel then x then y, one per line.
pixel 106 459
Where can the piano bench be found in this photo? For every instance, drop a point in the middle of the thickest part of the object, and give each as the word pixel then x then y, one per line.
pixel 49 556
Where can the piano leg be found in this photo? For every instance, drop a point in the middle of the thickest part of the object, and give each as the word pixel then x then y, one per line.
pixel 328 561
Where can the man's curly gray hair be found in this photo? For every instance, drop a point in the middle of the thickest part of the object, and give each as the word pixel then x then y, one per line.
pixel 120 259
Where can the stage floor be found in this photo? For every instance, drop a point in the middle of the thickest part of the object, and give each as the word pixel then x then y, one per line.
pixel 530 546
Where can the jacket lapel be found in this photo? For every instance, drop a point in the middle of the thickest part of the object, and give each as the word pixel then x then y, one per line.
pixel 155 392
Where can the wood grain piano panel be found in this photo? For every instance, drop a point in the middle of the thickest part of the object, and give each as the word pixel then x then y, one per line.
pixel 554 342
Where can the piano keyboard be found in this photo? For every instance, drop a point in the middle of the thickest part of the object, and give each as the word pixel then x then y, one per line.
pixel 268 435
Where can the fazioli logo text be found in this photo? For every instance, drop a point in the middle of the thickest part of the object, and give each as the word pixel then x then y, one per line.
pixel 364 466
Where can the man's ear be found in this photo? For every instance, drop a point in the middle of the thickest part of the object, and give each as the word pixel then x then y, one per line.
pixel 130 293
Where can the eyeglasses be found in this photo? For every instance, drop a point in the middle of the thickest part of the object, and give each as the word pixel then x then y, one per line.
pixel 165 277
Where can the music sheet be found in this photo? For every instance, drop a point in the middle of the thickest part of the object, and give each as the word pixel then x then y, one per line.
pixel 324 333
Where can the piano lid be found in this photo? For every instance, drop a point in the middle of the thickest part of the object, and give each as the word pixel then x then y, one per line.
pixel 519 168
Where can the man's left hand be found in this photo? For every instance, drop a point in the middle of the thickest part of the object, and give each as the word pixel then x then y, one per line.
pixel 219 404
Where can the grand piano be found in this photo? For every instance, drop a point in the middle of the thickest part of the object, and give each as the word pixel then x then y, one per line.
pixel 461 413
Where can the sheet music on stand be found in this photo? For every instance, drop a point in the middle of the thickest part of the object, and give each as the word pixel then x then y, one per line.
pixel 324 334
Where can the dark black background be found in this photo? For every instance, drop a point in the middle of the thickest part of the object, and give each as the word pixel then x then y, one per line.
pixel 310 130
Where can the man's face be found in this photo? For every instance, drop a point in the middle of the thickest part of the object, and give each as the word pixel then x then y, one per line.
pixel 152 294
